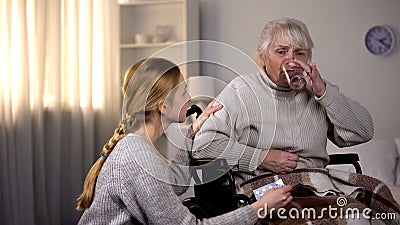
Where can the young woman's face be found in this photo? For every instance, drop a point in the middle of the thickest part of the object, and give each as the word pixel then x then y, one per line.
pixel 178 103
pixel 281 53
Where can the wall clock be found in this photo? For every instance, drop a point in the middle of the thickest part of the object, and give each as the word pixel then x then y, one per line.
pixel 380 40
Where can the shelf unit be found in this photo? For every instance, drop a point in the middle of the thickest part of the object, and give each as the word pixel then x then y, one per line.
pixel 143 16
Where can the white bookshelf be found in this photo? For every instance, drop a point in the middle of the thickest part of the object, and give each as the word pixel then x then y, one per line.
pixel 143 16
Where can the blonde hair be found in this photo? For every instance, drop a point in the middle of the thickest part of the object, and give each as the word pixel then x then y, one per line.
pixel 293 31
pixel 153 81
pixel 158 75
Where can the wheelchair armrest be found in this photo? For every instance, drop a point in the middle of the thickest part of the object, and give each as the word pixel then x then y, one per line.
pixel 211 169
pixel 348 158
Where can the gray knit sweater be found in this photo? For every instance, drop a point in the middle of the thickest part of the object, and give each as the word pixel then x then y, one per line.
pixel 135 181
pixel 259 115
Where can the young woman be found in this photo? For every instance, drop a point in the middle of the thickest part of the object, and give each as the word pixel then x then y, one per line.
pixel 131 181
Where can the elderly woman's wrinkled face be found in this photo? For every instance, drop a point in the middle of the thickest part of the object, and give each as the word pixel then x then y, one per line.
pixel 281 53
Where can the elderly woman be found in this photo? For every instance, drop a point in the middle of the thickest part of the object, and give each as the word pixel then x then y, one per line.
pixel 304 119
pixel 270 128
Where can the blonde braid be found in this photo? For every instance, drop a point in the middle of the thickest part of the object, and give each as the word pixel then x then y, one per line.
pixel 129 123
pixel 118 135
pixel 86 198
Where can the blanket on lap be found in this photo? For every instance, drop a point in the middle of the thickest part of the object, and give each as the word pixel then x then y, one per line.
pixel 326 196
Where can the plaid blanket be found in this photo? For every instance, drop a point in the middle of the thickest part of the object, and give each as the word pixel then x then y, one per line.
pixel 326 196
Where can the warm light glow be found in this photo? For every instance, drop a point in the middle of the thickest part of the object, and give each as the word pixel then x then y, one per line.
pixel 70 70
pixel 4 69
pixel 98 65
pixel 84 54
pixel 33 73
pixel 80 80
pixel 15 56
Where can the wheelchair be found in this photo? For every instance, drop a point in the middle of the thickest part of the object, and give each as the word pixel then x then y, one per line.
pixel 219 196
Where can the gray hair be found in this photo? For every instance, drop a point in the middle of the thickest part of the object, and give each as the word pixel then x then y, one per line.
pixel 293 31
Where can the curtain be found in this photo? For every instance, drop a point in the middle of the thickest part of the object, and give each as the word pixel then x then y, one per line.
pixel 59 103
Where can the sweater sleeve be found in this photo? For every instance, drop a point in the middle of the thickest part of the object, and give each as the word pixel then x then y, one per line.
pixel 219 135
pixel 159 204
pixel 350 122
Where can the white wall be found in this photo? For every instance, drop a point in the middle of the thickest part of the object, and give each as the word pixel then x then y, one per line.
pixel 338 28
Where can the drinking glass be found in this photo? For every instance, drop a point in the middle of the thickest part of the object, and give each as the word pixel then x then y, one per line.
pixel 296 78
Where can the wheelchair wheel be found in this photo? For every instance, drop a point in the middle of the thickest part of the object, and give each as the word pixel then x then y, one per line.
pixel 199 208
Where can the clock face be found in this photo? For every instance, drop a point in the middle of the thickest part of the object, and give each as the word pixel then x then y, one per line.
pixel 380 40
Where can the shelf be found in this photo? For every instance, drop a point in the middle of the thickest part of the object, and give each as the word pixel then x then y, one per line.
pixel 143 17
pixel 147 45
pixel 147 2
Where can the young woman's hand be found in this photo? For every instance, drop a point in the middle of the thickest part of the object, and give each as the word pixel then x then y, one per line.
pixel 273 199
pixel 210 109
